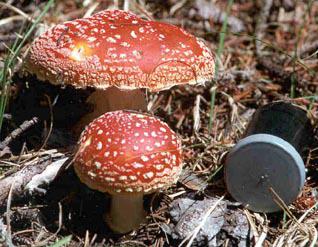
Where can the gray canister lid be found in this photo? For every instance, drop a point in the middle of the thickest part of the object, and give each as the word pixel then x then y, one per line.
pixel 260 162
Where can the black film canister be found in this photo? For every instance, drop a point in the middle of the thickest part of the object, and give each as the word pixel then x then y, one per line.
pixel 265 167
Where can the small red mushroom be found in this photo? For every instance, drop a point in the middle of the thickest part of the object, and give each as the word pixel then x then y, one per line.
pixel 128 155
pixel 120 52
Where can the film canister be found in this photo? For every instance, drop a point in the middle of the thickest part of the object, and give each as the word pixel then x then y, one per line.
pixel 265 167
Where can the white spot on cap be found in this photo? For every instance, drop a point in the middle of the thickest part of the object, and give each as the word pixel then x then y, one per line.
pixel 123 141
pixel 125 44
pixel 115 153
pixel 109 179
pixel 159 167
pixel 91 39
pixel 154 134
pixel 129 190
pixel 99 132
pixel 133 34
pixel 137 165
pixel 117 36
pixel 148 175
pixel 157 144
pixel 121 178
pixel 91 174
pixel 135 148
pixel 144 158
pixel 99 146
pixel 106 154
pixel 133 177
pixel 163 129
pixel 98 164
pixel 138 124
pixel 148 148
pixel 111 40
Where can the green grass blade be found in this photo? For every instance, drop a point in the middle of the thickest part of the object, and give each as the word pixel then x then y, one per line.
pixel 62 242
pixel 9 63
pixel 217 65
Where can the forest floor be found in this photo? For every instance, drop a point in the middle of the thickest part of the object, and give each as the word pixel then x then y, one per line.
pixel 266 51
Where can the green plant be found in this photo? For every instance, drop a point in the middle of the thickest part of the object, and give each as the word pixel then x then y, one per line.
pixel 11 60
pixel 217 63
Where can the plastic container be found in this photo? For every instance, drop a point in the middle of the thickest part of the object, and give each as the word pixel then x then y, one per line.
pixel 265 167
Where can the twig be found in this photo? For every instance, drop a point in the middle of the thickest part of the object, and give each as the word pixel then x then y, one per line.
pixel 207 10
pixel 45 177
pixel 51 122
pixel 22 178
pixel 198 228
pixel 261 239
pixel 5 40
pixel 3 235
pixel 276 71
pixel 8 214
pixel 7 24
pixel 45 241
pixel 261 25
pixel 310 49
pixel 18 11
pixel 196 114
pixel 91 10
pixel 126 5
pixel 17 132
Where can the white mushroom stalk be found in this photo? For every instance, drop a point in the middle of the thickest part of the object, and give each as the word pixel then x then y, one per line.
pixel 128 155
pixel 112 99
pixel 126 212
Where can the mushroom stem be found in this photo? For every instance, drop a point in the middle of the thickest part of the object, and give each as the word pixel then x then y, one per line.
pixel 112 99
pixel 126 212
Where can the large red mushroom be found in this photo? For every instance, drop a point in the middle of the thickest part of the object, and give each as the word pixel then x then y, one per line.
pixel 127 155
pixel 119 53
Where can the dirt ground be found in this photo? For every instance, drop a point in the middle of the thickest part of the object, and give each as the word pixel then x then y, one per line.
pixel 269 54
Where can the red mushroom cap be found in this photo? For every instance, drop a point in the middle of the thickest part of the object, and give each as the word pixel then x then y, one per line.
pixel 126 152
pixel 118 48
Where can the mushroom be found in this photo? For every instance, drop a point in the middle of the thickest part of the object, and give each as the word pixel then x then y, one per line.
pixel 118 54
pixel 127 155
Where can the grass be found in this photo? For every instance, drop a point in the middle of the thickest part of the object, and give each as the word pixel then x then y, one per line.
pixel 207 164
pixel 11 60
pixel 220 49
pixel 62 242
pixel 217 63
pixel 295 56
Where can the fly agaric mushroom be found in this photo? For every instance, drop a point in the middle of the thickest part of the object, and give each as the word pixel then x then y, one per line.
pixel 128 155
pixel 120 52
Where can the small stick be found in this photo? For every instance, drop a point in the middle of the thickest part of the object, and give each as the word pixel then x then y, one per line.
pixel 8 214
pixel 309 48
pixel 25 175
pixel 17 132
pixel 261 25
